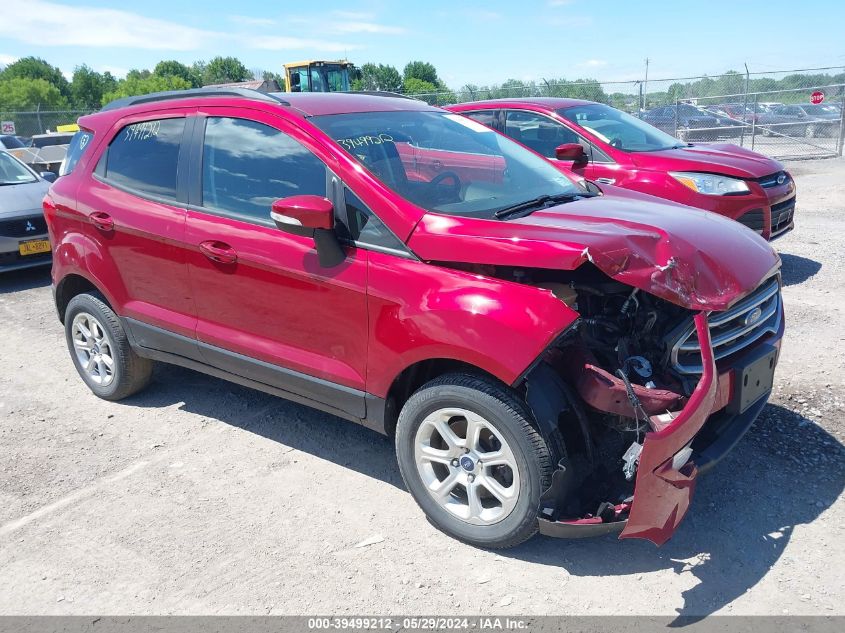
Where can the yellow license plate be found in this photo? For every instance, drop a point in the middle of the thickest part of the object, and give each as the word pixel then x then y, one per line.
pixel 34 247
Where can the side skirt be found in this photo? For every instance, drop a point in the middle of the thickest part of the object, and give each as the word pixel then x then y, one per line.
pixel 350 404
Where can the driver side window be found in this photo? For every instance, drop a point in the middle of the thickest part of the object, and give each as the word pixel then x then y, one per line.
pixel 538 132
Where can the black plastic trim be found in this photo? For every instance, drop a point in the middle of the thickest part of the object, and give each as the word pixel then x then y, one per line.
pixel 170 95
pixel 157 343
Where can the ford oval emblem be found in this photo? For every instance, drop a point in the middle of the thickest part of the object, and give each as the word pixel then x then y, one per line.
pixel 753 316
pixel 781 178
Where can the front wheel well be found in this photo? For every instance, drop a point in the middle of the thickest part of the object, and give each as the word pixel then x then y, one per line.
pixel 415 376
pixel 68 288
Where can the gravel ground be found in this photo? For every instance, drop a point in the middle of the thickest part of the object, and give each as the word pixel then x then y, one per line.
pixel 202 497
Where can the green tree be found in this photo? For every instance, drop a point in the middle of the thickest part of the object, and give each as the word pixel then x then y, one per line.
pixel 221 70
pixel 377 77
pixel 422 71
pixel 136 74
pixel 21 93
pixel 87 87
pixel 172 68
pixel 414 86
pixel 37 68
pixel 144 85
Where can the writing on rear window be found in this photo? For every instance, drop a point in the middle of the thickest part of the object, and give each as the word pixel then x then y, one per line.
pixel 142 131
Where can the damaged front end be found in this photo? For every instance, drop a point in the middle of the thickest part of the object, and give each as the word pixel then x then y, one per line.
pixel 648 395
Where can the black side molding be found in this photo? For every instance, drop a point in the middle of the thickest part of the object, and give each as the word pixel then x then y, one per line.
pixel 157 343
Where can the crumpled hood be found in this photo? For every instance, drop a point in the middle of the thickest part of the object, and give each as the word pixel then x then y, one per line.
pixel 16 200
pixel 692 258
pixel 722 158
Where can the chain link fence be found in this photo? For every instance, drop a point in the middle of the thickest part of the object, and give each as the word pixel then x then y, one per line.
pixel 40 121
pixel 772 112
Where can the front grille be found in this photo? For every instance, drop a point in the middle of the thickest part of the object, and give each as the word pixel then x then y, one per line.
pixel 782 214
pixel 23 227
pixel 753 220
pixel 731 330
pixel 771 180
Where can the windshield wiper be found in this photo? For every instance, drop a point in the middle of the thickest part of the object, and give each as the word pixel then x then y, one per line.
pixel 540 202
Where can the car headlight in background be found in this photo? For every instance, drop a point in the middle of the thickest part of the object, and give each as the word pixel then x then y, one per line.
pixel 710 184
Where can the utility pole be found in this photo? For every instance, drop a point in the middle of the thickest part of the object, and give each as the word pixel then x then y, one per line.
pixel 645 85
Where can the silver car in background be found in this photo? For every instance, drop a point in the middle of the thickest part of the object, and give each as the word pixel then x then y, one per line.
pixel 23 231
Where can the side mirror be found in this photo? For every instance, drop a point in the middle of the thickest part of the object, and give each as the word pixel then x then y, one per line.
pixel 310 216
pixel 570 151
pixel 49 176
pixel 304 212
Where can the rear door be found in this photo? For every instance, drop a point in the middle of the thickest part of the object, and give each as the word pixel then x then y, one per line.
pixel 266 309
pixel 134 208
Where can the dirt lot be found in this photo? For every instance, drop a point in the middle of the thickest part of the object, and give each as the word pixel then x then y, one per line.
pixel 199 496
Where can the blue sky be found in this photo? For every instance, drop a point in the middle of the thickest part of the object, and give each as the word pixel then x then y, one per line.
pixel 469 42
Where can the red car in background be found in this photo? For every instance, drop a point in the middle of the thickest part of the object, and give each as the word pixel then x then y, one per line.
pixel 605 145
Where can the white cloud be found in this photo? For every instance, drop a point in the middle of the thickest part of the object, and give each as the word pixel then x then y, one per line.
pixel 52 24
pixel 593 63
pixel 363 27
pixel 251 21
pixel 483 15
pixel 353 15
pixel 571 20
pixel 281 43
pixel 5 60
pixel 559 3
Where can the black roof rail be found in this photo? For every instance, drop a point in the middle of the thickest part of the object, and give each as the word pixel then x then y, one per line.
pixel 383 93
pixel 245 93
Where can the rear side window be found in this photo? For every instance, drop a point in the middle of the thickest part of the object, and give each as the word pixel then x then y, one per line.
pixel 247 165
pixel 78 144
pixel 144 156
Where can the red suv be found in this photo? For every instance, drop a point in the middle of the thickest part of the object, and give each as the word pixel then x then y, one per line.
pixel 605 145
pixel 544 356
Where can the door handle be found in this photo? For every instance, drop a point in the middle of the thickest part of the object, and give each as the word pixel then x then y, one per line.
pixel 219 252
pixel 102 221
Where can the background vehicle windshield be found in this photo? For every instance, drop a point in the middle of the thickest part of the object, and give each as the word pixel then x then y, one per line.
pixel 445 162
pixel 13 172
pixel 619 129
pixel 11 142
pixel 816 109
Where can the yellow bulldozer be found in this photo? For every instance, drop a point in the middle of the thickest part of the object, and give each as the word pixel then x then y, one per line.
pixel 318 76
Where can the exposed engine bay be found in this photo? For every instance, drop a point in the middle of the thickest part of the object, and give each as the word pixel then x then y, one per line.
pixel 614 364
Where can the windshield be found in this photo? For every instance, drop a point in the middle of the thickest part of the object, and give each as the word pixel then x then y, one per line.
pixel 619 129
pixel 445 162
pixel 12 172
pixel 816 109
pixel 11 142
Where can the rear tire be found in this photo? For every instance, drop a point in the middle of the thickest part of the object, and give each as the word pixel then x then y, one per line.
pixel 445 432
pixel 100 349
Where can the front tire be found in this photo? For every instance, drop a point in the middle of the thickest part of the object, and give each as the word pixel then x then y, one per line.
pixel 100 349
pixel 472 459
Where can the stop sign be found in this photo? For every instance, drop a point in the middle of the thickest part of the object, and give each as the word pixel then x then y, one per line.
pixel 817 97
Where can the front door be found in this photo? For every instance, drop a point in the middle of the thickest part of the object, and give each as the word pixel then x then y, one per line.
pixel 266 309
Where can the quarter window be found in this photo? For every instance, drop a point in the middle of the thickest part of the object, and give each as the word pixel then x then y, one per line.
pixel 144 156
pixel 247 165
pixel 366 228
